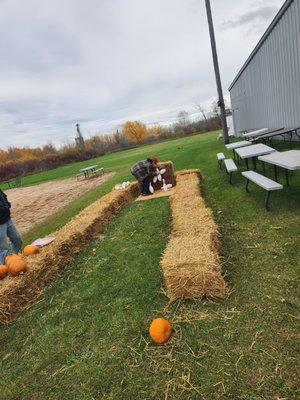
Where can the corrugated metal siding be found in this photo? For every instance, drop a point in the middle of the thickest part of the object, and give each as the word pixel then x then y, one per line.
pixel 267 92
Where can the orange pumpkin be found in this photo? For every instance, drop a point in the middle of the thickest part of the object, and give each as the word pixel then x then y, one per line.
pixel 12 257
pixel 3 271
pixel 160 330
pixel 17 267
pixel 30 249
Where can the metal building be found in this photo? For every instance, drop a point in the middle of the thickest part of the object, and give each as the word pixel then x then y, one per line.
pixel 266 91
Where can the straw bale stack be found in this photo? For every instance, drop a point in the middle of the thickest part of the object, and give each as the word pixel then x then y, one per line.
pixel 168 176
pixel 17 293
pixel 191 262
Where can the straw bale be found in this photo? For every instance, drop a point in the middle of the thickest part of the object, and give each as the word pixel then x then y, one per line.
pixel 156 195
pixel 191 262
pixel 18 292
pixel 190 172
pixel 188 186
pixel 168 176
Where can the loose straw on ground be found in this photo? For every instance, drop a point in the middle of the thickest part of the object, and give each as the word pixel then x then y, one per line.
pixel 191 262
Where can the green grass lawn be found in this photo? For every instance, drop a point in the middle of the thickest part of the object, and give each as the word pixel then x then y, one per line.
pixel 87 336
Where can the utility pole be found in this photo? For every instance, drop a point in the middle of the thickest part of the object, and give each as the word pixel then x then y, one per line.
pixel 217 71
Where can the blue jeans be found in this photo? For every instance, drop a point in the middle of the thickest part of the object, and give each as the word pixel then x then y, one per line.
pixel 3 255
pixel 9 230
pixel 145 186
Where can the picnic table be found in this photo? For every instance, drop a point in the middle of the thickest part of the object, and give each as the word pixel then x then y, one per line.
pixel 288 160
pixel 14 183
pixel 236 145
pixel 257 132
pixel 279 132
pixel 253 151
pixel 254 136
pixel 88 171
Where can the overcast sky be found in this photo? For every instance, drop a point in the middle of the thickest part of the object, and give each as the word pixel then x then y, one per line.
pixel 101 62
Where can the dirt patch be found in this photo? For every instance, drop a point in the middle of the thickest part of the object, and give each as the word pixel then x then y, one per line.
pixel 32 205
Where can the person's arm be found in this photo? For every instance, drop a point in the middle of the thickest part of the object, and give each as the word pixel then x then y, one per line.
pixel 151 169
pixel 4 212
pixel 4 203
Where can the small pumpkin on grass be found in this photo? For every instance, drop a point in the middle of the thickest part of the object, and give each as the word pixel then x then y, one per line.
pixel 30 250
pixel 11 258
pixel 160 330
pixel 17 267
pixel 3 271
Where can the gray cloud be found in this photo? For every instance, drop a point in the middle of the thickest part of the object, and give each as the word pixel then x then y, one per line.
pixel 252 17
pixel 103 62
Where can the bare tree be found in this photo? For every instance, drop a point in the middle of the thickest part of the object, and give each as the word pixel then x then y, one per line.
pixel 49 148
pixel 183 119
pixel 119 139
pixel 215 109
pixel 67 144
pixel 202 112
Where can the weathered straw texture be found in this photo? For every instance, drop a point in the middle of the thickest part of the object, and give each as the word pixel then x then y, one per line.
pixel 17 293
pixel 191 262
pixel 168 176
pixel 156 195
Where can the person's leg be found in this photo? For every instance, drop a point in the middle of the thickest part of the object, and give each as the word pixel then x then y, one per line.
pixel 3 237
pixel 145 186
pixel 14 236
pixel 3 255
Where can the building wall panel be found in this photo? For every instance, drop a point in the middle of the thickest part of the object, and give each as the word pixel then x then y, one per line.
pixel 266 93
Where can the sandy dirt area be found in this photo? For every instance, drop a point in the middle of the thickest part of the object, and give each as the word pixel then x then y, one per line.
pixel 32 205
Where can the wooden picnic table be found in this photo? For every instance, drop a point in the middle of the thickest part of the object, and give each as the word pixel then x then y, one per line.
pixel 88 171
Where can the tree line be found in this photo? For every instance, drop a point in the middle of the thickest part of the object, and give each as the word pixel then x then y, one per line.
pixel 21 161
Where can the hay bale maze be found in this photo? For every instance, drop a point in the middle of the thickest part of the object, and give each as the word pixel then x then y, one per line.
pixel 191 262
pixel 18 292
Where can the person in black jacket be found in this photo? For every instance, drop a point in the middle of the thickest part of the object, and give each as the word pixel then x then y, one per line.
pixel 8 229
